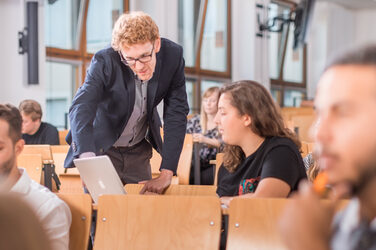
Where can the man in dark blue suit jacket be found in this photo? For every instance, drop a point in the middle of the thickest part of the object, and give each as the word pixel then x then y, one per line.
pixel 114 111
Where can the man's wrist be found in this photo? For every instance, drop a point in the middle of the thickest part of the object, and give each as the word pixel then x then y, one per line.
pixel 167 173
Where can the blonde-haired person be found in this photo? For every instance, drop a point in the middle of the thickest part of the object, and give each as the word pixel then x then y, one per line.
pixel 261 156
pixel 205 131
pixel 114 112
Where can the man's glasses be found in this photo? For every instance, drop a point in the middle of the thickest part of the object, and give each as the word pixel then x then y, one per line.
pixel 129 61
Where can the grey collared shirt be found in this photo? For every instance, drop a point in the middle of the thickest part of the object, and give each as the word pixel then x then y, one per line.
pixel 350 232
pixel 137 125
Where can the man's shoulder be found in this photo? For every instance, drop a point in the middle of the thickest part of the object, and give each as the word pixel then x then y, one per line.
pixel 40 196
pixel 170 46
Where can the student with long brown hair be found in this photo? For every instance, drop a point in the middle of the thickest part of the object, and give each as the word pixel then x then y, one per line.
pixel 261 156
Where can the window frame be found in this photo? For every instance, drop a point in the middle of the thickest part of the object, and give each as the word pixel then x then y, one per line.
pixel 198 74
pixel 279 84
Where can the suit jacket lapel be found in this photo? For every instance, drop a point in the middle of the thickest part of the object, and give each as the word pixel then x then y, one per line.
pixel 152 87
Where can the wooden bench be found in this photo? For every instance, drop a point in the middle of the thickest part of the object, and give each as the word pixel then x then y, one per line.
pixel 81 209
pixel 158 222
pixel 203 190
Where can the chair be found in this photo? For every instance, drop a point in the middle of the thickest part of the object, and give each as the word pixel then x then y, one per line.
pixel 253 224
pixel 70 184
pixel 218 163
pixel 62 135
pixel 33 165
pixel 184 165
pixel 81 209
pixel 59 153
pixel 42 149
pixel 303 124
pixel 202 190
pixel 158 222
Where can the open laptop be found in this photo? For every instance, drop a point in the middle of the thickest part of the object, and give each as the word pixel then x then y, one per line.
pixel 99 176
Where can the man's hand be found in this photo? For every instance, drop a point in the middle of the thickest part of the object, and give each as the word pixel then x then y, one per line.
pixel 159 184
pixel 306 221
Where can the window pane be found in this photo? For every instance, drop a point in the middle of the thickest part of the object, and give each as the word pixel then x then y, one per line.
pixel 277 39
pixel 293 68
pixel 61 23
pixel 189 89
pixel 187 25
pixel 293 98
pixel 61 79
pixel 205 84
pixel 277 95
pixel 100 20
pixel 214 43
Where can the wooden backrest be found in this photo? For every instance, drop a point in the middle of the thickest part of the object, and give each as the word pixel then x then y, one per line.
pixel 59 149
pixel 303 124
pixel 81 209
pixel 43 149
pixel 253 224
pixel 33 165
pixel 70 184
pixel 155 162
pixel 218 163
pixel 62 135
pixel 203 190
pixel 59 153
pixel 184 165
pixel 158 222
pixel 289 112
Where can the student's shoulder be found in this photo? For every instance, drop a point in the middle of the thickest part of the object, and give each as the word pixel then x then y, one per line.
pixel 44 200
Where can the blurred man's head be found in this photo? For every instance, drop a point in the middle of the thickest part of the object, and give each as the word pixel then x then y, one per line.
pixel 346 109
pixel 11 143
pixel 31 112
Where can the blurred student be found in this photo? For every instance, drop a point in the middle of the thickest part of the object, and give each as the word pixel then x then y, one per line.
pixel 52 212
pixel 261 156
pixel 205 131
pixel 20 228
pixel 34 131
pixel 346 144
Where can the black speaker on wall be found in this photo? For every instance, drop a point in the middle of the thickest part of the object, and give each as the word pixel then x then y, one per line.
pixel 28 42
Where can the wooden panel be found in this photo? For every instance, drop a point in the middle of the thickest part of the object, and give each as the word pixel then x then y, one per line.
pixel 81 209
pixel 184 165
pixel 303 123
pixel 204 190
pixel 44 150
pixel 253 224
pixel 71 184
pixel 289 112
pixel 218 163
pixel 33 165
pixel 158 222
pixel 59 149
pixel 62 135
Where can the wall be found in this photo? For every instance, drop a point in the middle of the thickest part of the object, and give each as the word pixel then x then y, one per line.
pixel 13 70
pixel 332 31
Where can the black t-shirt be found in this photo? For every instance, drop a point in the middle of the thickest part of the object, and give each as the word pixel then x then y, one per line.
pixel 46 134
pixel 277 157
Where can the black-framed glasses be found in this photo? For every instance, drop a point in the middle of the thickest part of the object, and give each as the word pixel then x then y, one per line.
pixel 129 61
